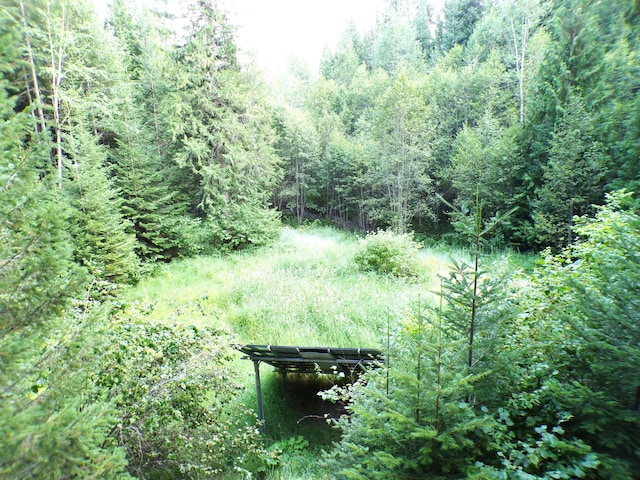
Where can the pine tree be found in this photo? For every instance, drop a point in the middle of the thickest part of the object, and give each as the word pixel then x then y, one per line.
pixel 411 418
pixel 51 426
pixel 573 178
pixel 460 18
pixel 220 125
pixel 143 170
pixel 103 242
pixel 38 275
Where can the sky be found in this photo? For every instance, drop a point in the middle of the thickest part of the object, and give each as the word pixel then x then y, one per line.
pixel 276 30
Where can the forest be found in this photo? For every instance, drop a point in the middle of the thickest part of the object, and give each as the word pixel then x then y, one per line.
pixel 140 142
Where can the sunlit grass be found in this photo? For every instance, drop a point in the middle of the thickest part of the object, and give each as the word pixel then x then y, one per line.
pixel 304 290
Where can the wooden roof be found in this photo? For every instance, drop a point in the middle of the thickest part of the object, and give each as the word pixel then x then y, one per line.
pixel 313 359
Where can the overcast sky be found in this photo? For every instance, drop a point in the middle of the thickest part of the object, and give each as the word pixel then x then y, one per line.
pixel 275 30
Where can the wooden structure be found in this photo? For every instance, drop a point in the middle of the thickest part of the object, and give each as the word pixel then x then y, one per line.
pixel 310 360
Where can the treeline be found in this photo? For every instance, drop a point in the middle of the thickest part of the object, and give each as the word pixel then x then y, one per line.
pixel 529 104
pixel 160 145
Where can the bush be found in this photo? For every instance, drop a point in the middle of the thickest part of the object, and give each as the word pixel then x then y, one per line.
pixel 178 397
pixel 388 253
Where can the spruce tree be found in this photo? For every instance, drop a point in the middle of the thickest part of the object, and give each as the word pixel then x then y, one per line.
pixel 51 425
pixel 222 138
pixel 142 169
pixel 102 238
pixel 38 275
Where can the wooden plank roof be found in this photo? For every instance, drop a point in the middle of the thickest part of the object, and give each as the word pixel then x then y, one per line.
pixel 313 359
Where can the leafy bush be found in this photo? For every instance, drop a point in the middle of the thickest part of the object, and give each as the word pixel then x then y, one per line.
pixel 242 227
pixel 248 225
pixel 388 253
pixel 178 396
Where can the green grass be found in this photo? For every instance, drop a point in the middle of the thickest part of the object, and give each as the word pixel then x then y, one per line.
pixel 303 290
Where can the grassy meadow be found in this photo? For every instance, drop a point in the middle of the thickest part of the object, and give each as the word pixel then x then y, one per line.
pixel 305 289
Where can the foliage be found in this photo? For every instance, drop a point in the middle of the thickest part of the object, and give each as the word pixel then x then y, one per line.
pixel 37 273
pixel 177 393
pixel 294 291
pixel 573 177
pixel 128 143
pixel 278 452
pixel 412 417
pixel 460 18
pixel 603 277
pixel 549 392
pixel 220 131
pixel 388 253
pixel 52 424
pixel 102 240
pixel 575 411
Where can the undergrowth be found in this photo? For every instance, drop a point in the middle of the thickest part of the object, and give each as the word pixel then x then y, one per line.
pixel 305 289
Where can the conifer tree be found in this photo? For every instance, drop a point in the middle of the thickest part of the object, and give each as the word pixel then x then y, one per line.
pixel 144 172
pixel 103 242
pixel 38 276
pixel 411 418
pixel 573 178
pixel 220 126
pixel 51 425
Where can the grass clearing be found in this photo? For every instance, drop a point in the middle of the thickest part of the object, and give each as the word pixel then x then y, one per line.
pixel 304 289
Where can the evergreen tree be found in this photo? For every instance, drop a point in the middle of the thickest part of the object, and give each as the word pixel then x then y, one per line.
pixel 460 18
pixel 76 64
pixel 411 418
pixel 144 171
pixel 576 403
pixel 38 275
pixel 103 242
pixel 484 165
pixel 51 426
pixel 572 179
pixel 222 136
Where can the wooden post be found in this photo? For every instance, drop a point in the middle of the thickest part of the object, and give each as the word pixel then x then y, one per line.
pixel 256 367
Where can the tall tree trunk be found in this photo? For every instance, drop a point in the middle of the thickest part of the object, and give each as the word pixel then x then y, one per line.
pixel 57 60
pixel 520 56
pixel 34 73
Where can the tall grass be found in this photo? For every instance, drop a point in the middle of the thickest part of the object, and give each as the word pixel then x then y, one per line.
pixel 303 290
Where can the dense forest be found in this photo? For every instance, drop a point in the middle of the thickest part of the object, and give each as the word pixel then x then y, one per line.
pixel 128 143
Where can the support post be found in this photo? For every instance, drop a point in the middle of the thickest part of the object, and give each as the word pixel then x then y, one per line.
pixel 256 367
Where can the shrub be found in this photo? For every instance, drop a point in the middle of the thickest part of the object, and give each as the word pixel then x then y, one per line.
pixel 178 397
pixel 388 253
